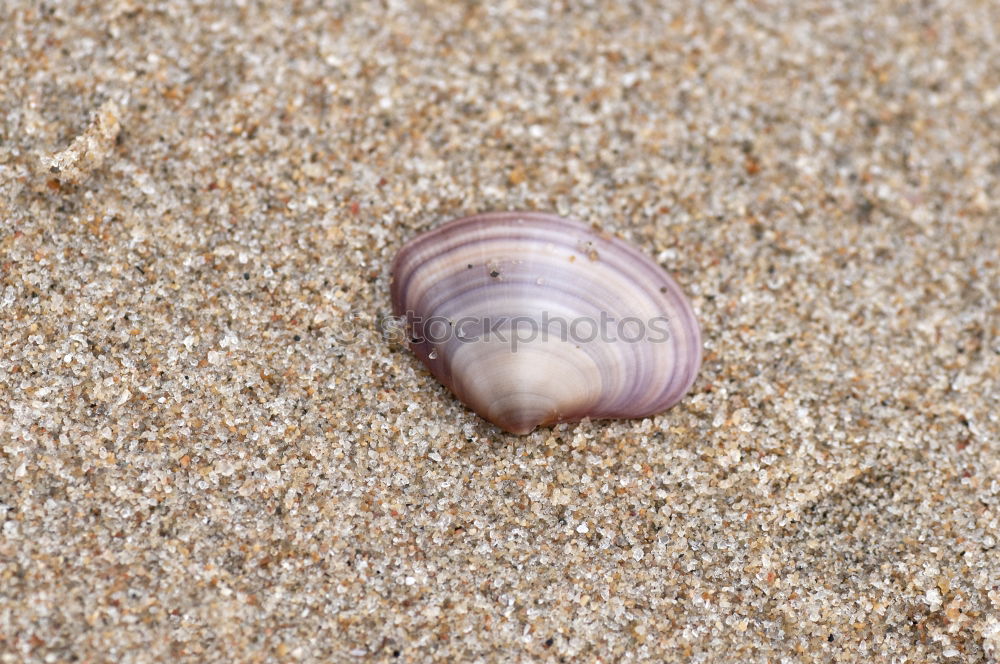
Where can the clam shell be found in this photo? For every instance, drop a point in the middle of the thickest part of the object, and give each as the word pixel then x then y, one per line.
pixel 532 319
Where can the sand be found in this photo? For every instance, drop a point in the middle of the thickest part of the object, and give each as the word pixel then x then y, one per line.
pixel 209 452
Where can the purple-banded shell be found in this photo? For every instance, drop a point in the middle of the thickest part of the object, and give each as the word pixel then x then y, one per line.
pixel 501 308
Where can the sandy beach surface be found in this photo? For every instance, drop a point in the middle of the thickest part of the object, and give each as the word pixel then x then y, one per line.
pixel 209 452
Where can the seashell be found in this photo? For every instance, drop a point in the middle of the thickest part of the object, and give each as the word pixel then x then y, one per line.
pixel 531 319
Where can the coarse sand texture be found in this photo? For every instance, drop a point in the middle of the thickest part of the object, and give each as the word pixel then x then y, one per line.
pixel 211 449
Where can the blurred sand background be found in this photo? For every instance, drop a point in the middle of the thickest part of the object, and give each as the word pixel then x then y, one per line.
pixel 195 196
